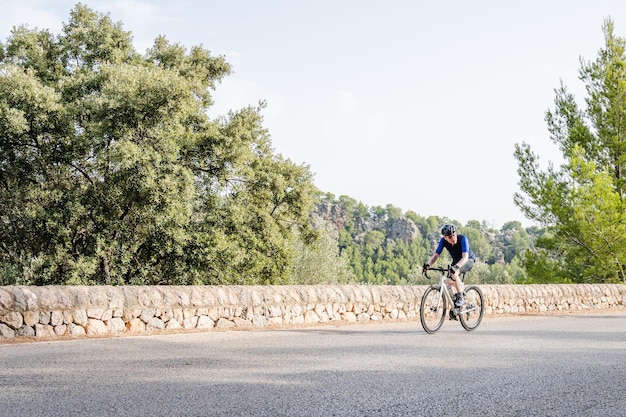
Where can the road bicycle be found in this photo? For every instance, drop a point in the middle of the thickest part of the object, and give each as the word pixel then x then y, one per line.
pixel 437 300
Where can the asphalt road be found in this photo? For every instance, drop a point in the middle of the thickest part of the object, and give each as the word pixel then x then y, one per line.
pixel 572 365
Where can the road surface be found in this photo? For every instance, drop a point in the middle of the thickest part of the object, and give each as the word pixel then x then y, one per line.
pixel 569 365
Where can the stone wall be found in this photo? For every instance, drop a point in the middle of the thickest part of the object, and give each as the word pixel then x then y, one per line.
pixel 61 311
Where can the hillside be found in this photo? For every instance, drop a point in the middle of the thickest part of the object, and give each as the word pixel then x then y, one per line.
pixel 384 245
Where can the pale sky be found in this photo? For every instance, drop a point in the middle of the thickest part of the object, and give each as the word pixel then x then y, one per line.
pixel 418 104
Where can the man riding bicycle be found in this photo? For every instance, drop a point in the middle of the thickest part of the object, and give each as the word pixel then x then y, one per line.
pixel 463 258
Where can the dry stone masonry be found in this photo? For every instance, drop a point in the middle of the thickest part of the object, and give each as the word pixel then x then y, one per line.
pixel 61 311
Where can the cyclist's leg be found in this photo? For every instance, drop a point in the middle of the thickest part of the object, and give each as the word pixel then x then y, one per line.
pixel 467 266
pixel 456 285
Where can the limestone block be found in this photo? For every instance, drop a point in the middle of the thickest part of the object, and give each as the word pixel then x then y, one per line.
pixel 311 317
pixel 177 314
pixel 44 330
pixel 221 296
pixel 31 317
pixel 173 324
pixel 255 298
pixel 115 298
pixel 239 322
pixel 6 332
pixel 60 329
pixel 274 311
pixel 215 313
pixel 98 296
pixel 247 314
pixel 44 317
pixel 48 297
pixel 296 310
pixel 136 325
pixel 228 313
pixel 196 296
pixel 26 331
pixel 349 316
pixel 166 314
pixel 95 327
pixel 95 313
pixel 116 325
pixel 76 330
pixel 12 319
pixel 144 297
pixel 205 322
pixel 67 317
pixel 184 299
pixel 189 312
pixel 259 320
pixel 233 297
pixel 223 323
pixel 56 318
pixel 208 297
pixel 6 300
pixel 147 314
pixel 190 322
pixel 20 301
pixel 154 324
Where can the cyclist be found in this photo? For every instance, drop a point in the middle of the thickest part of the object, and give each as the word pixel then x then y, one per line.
pixel 463 258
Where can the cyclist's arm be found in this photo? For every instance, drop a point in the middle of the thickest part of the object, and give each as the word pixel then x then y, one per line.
pixel 433 259
pixel 463 260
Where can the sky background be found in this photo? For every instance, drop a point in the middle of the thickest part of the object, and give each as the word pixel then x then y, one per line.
pixel 417 104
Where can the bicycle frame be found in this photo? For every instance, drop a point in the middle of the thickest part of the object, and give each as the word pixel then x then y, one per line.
pixel 442 283
pixel 445 272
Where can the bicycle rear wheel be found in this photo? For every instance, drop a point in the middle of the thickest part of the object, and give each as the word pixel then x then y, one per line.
pixel 472 312
pixel 432 309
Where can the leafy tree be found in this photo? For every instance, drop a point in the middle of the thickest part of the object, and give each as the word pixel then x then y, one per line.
pixel 111 171
pixel 320 262
pixel 583 202
pixel 516 240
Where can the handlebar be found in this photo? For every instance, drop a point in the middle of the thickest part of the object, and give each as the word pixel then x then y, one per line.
pixel 437 268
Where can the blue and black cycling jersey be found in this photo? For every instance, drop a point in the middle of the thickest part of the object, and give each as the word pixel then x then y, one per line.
pixel 456 251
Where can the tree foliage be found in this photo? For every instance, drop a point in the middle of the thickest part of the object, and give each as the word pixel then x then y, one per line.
pixel 582 203
pixel 112 172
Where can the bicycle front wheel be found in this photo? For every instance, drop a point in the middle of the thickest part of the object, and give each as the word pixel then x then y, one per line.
pixel 432 309
pixel 472 312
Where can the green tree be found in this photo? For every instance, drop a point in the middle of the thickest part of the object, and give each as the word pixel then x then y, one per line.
pixel 112 172
pixel 320 262
pixel 583 202
pixel 516 240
